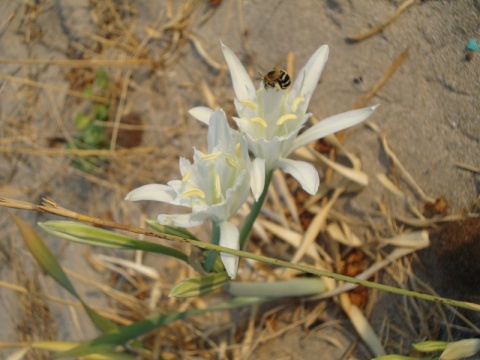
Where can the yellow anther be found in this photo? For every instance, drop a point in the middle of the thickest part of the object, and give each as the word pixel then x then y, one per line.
pixel 193 192
pixel 286 117
pixel 238 150
pixel 218 187
pixel 211 156
pixel 230 161
pixel 186 176
pixel 259 120
pixel 248 103
pixel 296 102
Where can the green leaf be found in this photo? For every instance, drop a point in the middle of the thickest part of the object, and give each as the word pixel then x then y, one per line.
pixel 88 90
pixel 94 136
pixel 100 111
pixel 430 346
pixel 126 333
pixel 82 121
pixel 199 285
pixel 78 232
pixel 50 265
pixel 101 79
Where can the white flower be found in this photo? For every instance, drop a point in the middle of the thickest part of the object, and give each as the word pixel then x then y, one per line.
pixel 215 186
pixel 271 119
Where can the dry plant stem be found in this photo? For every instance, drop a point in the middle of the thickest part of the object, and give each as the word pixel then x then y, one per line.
pixel 362 102
pixel 77 152
pixel 315 227
pixel 51 207
pixel 474 169
pixel 121 104
pixel 379 28
pixel 38 84
pixel 79 63
pixel 396 162
pixel 58 300
pixel 203 53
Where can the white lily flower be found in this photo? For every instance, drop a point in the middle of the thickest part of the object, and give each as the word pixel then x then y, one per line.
pixel 215 186
pixel 271 119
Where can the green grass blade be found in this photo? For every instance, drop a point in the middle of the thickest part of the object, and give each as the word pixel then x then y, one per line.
pixel 199 286
pixel 47 262
pixel 122 335
pixel 86 234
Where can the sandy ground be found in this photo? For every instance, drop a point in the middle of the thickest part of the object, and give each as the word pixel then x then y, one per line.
pixel 429 111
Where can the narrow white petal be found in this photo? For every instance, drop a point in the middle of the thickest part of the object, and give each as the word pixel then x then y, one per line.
pixel 182 220
pixel 219 132
pixel 229 237
pixel 303 172
pixel 156 192
pixel 201 113
pixel 308 77
pixel 242 84
pixel 332 125
pixel 257 177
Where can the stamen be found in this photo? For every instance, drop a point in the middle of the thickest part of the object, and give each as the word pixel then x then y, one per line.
pixel 259 120
pixel 211 156
pixel 298 100
pixel 193 192
pixel 218 188
pixel 186 176
pixel 248 103
pixel 286 117
pixel 230 161
pixel 238 150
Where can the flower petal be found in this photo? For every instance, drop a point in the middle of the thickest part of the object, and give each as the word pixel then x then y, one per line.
pixel 182 220
pixel 229 237
pixel 242 84
pixel 218 136
pixel 303 172
pixel 308 77
pixel 332 125
pixel 257 177
pixel 156 192
pixel 201 113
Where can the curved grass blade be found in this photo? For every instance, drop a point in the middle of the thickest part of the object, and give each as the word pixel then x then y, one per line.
pixel 86 234
pixel 47 262
pixel 121 335
pixel 199 286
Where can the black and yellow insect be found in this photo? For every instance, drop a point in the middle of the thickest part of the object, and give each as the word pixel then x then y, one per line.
pixel 276 78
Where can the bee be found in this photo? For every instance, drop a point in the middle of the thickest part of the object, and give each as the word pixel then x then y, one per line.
pixel 276 78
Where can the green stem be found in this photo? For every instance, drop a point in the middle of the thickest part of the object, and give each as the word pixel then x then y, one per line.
pixel 212 254
pixel 257 206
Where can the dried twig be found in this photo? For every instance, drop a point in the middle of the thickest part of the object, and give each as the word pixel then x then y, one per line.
pixel 362 102
pixel 41 85
pixel 77 152
pixel 379 28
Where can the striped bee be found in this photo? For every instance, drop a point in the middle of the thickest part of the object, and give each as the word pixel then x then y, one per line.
pixel 276 78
